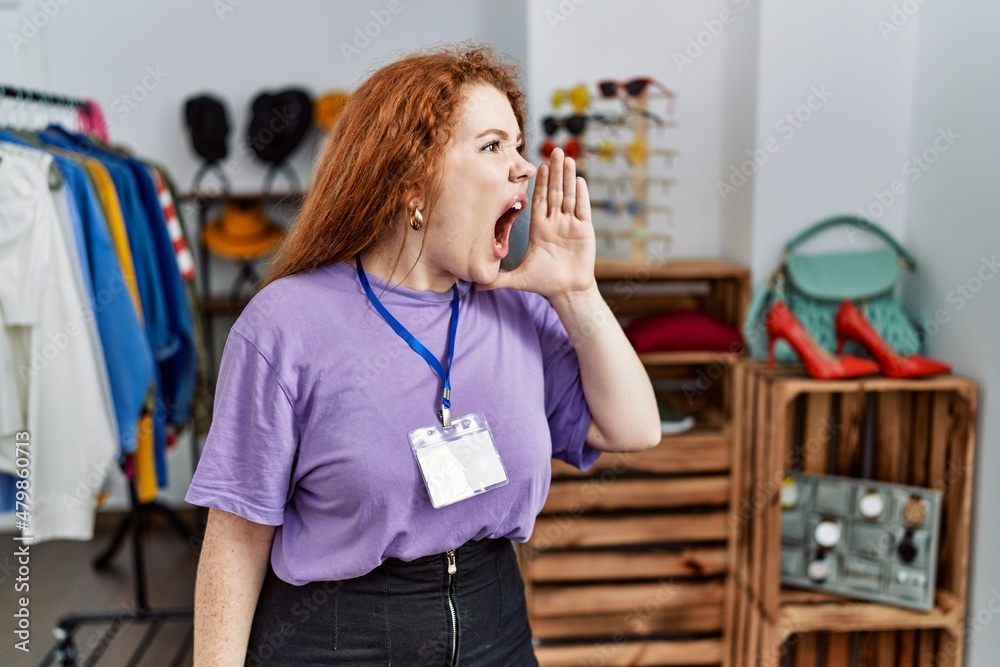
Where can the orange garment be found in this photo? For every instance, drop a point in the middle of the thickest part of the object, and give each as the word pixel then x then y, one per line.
pixel 145 461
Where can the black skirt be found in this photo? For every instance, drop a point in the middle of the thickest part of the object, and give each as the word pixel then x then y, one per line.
pixel 407 614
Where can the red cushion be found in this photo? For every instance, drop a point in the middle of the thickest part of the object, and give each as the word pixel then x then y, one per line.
pixel 684 330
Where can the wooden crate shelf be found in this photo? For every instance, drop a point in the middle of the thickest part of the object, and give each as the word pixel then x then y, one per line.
pixel 585 495
pixel 628 562
pixel 652 359
pixel 847 616
pixel 597 531
pixel 925 431
pixel 622 598
pixel 547 567
pixel 703 449
pixel 674 269
pixel 690 619
pixel 677 652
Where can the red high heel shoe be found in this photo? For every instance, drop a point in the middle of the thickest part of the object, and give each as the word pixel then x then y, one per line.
pixel 852 325
pixel 782 323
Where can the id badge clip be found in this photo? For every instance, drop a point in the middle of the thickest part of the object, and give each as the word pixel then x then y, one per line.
pixel 457 461
pixel 444 414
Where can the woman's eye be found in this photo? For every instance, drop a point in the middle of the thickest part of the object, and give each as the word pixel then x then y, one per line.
pixel 492 146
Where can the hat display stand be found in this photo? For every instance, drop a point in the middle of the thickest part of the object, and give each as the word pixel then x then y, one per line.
pixel 237 230
pixel 279 123
pixel 206 121
pixel 242 233
pixel 281 168
pixel 204 170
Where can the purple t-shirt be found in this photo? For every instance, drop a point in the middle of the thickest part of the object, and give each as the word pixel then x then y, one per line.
pixel 316 396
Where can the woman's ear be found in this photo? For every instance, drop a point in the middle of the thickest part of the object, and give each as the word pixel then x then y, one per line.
pixel 413 198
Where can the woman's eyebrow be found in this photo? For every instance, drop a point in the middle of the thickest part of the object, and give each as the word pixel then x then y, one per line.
pixel 500 133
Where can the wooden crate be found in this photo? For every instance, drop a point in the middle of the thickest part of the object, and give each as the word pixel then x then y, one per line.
pixel 925 437
pixel 627 564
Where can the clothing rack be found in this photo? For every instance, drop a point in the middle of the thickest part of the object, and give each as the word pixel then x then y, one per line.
pixel 27 95
pixel 65 651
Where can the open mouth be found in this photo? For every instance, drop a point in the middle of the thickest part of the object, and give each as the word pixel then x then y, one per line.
pixel 501 230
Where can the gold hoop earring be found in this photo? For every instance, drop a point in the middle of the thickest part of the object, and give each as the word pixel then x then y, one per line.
pixel 416 219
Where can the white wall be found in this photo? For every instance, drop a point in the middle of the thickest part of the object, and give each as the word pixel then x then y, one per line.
pixel 22 53
pixel 739 131
pixel 571 42
pixel 832 158
pixel 105 48
pixel 951 225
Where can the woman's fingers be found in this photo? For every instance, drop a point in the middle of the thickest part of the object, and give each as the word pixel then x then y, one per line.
pixel 582 199
pixel 539 199
pixel 569 186
pixel 559 189
pixel 555 184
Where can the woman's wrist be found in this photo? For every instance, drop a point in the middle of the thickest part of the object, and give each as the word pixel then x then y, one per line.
pixel 576 297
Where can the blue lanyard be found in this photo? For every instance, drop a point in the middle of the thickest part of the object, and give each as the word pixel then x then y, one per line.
pixel 445 415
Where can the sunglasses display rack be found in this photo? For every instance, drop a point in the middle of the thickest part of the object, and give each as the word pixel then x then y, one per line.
pixel 601 139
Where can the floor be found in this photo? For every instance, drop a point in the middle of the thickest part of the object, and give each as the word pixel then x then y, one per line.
pixel 63 580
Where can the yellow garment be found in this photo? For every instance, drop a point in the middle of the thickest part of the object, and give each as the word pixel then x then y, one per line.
pixel 116 225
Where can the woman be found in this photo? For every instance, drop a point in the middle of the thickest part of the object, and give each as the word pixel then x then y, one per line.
pixel 331 540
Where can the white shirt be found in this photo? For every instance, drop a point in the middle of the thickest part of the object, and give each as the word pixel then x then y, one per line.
pixel 53 363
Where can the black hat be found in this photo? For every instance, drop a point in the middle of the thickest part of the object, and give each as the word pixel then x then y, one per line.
pixel 278 123
pixel 206 121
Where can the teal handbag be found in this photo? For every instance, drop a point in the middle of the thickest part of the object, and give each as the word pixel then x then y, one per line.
pixel 814 286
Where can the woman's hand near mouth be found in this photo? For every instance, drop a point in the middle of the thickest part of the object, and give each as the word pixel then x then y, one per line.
pixel 561 243
pixel 559 264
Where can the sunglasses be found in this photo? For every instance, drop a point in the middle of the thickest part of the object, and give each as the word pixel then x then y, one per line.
pixel 634 207
pixel 571 148
pixel 622 120
pixel 575 124
pixel 634 88
pixel 636 152
pixel 641 235
pixel 626 182
pixel 578 97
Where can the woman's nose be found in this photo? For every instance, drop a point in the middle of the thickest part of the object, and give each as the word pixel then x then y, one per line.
pixel 522 170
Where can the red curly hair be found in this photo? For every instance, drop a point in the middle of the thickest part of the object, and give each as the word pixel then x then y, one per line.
pixel 385 147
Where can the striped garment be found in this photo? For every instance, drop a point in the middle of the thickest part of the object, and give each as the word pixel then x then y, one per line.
pixel 185 262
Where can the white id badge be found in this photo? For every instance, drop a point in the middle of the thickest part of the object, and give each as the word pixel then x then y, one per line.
pixel 458 462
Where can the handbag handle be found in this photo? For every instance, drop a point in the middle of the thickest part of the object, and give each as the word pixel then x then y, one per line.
pixel 867 225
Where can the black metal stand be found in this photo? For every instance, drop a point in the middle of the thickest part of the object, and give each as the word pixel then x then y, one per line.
pixel 284 168
pixel 66 653
pixel 145 512
pixel 247 276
